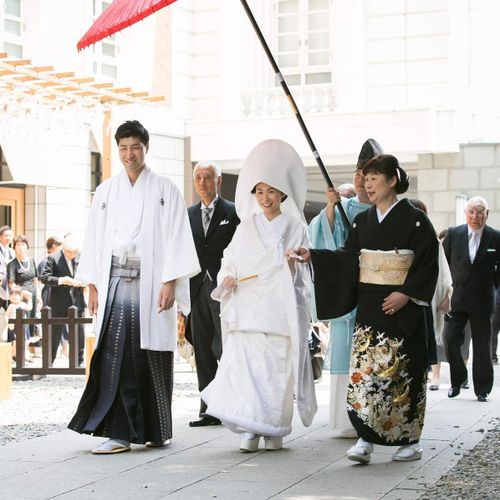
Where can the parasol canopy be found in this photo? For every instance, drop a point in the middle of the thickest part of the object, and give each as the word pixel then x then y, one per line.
pixel 119 15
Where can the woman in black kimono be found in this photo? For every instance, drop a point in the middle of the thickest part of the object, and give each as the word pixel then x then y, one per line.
pixel 388 267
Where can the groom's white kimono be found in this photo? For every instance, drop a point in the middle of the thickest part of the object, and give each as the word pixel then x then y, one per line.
pixel 138 237
pixel 167 250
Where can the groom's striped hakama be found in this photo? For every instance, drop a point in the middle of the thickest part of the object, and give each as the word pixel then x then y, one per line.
pixel 129 392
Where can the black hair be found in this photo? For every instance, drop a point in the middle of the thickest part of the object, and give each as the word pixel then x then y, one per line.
pixel 388 165
pixel 442 234
pixel 20 239
pixel 53 241
pixel 284 196
pixel 132 128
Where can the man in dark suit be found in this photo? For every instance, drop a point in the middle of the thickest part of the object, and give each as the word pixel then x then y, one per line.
pixel 65 291
pixel 473 253
pixel 213 222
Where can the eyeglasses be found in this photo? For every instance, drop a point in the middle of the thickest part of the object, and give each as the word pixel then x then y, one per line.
pixel 480 213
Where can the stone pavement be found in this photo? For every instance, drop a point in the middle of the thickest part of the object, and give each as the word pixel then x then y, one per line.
pixel 206 463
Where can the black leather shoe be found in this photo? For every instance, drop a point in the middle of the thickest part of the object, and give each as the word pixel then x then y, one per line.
pixel 454 391
pixel 465 385
pixel 205 421
pixel 483 397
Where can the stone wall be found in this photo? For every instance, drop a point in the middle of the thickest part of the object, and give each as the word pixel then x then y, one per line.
pixel 474 171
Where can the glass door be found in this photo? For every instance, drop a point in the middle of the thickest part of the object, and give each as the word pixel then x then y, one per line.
pixel 12 209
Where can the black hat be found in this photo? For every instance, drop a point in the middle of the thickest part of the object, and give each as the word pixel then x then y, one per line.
pixel 369 150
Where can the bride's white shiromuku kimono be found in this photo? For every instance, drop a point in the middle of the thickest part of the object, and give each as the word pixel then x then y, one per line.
pixel 265 319
pixel 265 322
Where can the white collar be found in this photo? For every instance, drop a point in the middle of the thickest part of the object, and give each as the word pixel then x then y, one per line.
pixel 382 216
pixel 212 204
pixel 141 179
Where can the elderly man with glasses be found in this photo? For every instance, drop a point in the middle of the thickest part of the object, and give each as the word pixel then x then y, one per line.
pixel 473 253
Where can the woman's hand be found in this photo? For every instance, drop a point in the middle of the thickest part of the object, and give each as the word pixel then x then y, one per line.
pixel 394 302
pixel 229 282
pixel 298 254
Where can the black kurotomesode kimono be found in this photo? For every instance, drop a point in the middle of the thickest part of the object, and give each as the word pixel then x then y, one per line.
pixel 387 387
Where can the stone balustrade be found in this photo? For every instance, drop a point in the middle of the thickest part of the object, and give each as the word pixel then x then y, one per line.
pixel 273 102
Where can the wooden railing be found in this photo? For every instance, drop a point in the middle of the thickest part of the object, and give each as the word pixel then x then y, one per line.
pixel 46 320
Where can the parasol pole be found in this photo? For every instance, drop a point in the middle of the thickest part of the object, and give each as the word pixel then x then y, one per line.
pixel 293 106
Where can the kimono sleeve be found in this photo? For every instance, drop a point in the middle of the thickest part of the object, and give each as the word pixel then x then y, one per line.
pixel 88 265
pixel 300 273
pixel 321 235
pixel 422 276
pixel 227 268
pixel 180 258
pixel 335 278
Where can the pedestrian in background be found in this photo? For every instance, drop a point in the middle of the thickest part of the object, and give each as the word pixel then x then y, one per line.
pixel 473 253
pixel 213 222
pixel 6 255
pixel 53 245
pixel 22 272
pixel 65 291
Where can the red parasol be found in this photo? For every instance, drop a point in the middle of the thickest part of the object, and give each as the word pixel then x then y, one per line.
pixel 119 15
pixel 123 13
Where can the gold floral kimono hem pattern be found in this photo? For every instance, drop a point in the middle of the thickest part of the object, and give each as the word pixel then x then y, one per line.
pixel 385 398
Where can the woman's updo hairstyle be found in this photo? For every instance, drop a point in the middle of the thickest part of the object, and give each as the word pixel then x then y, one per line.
pixel 388 165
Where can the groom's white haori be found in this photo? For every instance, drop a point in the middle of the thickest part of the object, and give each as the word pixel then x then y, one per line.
pixel 159 224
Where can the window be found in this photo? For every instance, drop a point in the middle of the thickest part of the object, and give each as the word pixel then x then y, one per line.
pixel 303 45
pixel 5 174
pixel 105 52
pixel 12 28
pixel 13 50
pixel 12 8
pixel 95 171
pixel 109 70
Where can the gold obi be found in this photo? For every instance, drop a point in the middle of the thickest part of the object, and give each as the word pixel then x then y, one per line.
pixel 384 267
